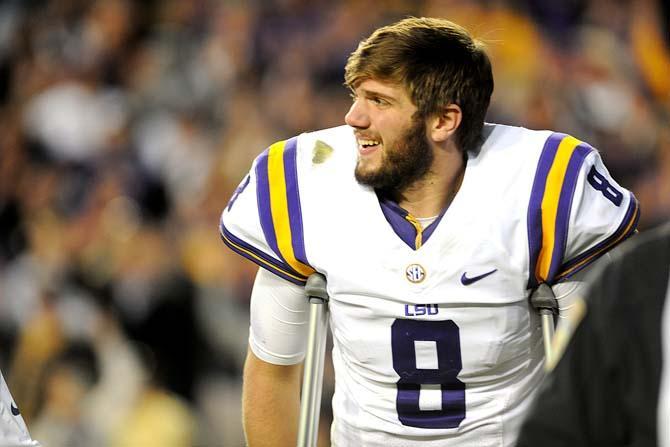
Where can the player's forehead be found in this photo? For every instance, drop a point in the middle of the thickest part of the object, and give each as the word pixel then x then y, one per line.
pixel 381 87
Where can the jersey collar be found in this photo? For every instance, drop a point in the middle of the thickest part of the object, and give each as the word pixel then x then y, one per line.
pixel 405 225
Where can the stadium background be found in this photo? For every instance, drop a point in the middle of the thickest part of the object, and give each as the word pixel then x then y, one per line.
pixel 125 126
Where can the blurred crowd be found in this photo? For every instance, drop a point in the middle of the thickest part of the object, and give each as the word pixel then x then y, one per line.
pixel 126 125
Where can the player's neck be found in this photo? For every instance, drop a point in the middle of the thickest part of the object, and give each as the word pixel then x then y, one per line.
pixel 433 193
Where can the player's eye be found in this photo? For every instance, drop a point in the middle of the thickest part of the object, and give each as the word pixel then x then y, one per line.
pixel 378 101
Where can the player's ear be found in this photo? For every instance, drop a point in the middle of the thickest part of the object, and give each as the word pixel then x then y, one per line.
pixel 445 123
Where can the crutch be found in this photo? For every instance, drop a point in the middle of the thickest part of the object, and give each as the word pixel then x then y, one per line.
pixel 544 302
pixel 312 379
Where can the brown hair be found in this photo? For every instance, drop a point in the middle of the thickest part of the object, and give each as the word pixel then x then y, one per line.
pixel 437 61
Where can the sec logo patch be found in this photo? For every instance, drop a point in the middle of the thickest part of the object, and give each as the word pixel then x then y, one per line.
pixel 415 273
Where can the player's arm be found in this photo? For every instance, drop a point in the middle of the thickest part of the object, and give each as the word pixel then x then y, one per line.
pixel 272 371
pixel 270 402
pixel 577 211
pixel 570 294
pixel 569 291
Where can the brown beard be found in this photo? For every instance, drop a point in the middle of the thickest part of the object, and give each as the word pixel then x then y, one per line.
pixel 403 163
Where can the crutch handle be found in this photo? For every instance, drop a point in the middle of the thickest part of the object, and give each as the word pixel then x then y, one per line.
pixel 316 287
pixel 544 302
pixel 543 298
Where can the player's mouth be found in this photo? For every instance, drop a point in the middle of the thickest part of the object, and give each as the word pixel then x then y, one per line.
pixel 367 146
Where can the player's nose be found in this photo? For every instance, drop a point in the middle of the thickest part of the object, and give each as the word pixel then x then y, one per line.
pixel 357 116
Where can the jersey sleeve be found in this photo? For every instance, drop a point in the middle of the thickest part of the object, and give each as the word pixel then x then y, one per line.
pixel 263 219
pixel 279 320
pixel 577 211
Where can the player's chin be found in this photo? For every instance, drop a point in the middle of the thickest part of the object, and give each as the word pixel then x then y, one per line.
pixel 370 160
pixel 367 173
pixel 367 167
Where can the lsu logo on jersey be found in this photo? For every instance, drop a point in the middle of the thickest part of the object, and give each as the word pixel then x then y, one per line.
pixel 414 310
pixel 415 273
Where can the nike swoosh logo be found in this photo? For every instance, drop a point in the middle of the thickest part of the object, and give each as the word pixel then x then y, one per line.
pixel 15 409
pixel 467 281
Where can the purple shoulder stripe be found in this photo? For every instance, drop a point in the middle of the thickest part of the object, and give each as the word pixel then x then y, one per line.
pixel 564 207
pixel 260 258
pixel 263 201
pixel 534 218
pixel 293 200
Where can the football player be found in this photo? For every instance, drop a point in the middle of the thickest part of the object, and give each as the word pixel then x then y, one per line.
pixel 432 229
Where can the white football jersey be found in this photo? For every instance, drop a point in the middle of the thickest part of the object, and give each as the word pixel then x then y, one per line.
pixel 13 431
pixel 434 339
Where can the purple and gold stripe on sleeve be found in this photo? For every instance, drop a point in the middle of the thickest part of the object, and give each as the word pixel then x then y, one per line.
pixel 279 205
pixel 625 229
pixel 260 258
pixel 550 204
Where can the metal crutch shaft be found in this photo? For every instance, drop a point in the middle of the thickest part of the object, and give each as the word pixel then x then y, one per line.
pixel 312 380
pixel 544 301
pixel 547 334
